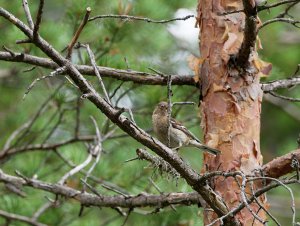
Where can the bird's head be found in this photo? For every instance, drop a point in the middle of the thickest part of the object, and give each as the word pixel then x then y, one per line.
pixel 161 108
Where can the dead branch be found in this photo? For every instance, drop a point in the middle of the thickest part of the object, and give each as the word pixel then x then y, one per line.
pixel 88 199
pixel 123 75
pixel 148 20
pixel 28 14
pixel 78 32
pixel 16 217
pixel 291 99
pixel 276 4
pixel 38 19
pixel 282 165
pixel 280 84
pixel 134 76
pixel 295 23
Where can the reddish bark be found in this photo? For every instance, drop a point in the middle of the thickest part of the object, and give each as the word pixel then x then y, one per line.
pixel 282 165
pixel 231 103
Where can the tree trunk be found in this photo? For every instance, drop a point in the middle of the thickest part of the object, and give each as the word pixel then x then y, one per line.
pixel 231 104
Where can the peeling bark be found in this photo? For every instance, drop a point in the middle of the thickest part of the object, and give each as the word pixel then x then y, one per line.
pixel 231 105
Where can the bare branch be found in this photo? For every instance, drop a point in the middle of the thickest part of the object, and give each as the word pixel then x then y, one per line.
pixel 245 200
pixel 43 208
pixel 291 109
pixel 96 151
pixel 276 4
pixel 43 147
pixel 134 76
pixel 284 20
pixel 169 96
pixel 38 19
pixel 280 84
pixel 262 206
pixel 263 7
pixel 93 62
pixel 287 188
pixel 76 169
pixel 284 97
pixel 58 71
pixel 78 32
pixel 128 18
pixel 93 178
pixel 157 162
pixel 28 14
pixel 15 217
pixel 281 166
pixel 87 199
pixel 123 75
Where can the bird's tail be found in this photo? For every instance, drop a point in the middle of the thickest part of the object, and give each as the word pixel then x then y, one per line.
pixel 204 147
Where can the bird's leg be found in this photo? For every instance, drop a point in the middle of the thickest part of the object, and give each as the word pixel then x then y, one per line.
pixel 179 146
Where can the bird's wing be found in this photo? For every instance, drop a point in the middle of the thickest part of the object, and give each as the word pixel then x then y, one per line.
pixel 177 125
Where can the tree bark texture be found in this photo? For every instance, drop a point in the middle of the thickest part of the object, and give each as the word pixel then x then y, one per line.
pixel 231 104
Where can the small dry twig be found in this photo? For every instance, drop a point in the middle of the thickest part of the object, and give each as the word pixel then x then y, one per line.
pixel 78 32
pixel 128 18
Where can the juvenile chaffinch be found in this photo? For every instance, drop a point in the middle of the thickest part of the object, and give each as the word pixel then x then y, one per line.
pixel 179 134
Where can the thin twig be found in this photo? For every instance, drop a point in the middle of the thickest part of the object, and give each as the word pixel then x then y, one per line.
pixel 28 14
pixel 292 99
pixel 245 201
pixel 157 162
pixel 15 217
pixel 88 199
pixel 116 90
pixel 29 69
pixel 58 71
pixel 115 190
pixel 160 192
pixel 76 169
pixel 30 123
pixel 78 32
pixel 43 208
pixel 38 20
pixel 169 96
pixel 263 7
pixel 96 150
pixel 61 114
pixel 14 135
pixel 287 9
pixel 93 62
pixel 91 188
pixel 287 188
pixel 93 178
pixel 77 125
pixel 127 216
pixel 267 7
pixel 287 107
pixel 9 51
pixel 128 18
pixel 183 103
pixel 284 20
pixel 262 206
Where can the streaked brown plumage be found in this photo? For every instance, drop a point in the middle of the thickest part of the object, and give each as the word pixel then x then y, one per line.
pixel 179 134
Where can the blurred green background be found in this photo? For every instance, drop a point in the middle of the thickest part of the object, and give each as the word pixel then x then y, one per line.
pixel 144 45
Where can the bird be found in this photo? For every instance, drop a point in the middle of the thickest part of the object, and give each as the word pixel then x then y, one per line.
pixel 180 136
